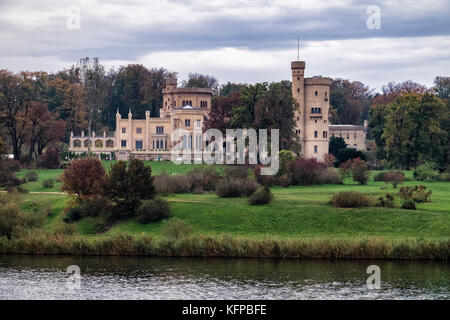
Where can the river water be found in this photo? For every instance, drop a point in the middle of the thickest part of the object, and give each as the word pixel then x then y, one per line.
pixel 44 277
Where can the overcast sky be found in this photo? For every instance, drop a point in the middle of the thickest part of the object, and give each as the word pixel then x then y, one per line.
pixel 236 40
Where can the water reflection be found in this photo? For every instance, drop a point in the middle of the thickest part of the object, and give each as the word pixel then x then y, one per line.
pixel 35 277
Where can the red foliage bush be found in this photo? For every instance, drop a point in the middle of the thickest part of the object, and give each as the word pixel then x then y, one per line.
pixel 306 171
pixel 84 178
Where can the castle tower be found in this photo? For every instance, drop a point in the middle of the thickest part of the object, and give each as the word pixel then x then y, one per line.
pixel 312 95
pixel 298 92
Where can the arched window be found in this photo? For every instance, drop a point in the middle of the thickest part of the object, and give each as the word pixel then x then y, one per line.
pixel 315 134
pixel 76 143
pixel 157 144
pixel 315 149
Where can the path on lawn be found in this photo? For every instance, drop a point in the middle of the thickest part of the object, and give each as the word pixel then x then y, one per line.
pixel 41 192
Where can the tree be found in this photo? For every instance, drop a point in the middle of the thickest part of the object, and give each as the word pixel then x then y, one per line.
pixel 197 80
pixel 138 89
pixel 350 100
pixel 126 187
pixel 84 178
pixel 335 145
pixel 442 87
pixel 16 93
pixel 230 88
pixel 67 100
pixel 221 111
pixel 44 128
pixel 415 130
pixel 93 77
pixel 275 110
pixel 244 115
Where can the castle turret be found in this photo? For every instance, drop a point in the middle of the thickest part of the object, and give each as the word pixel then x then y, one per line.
pixel 298 92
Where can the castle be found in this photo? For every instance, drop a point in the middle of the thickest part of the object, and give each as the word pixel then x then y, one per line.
pixel 312 118
pixel 188 108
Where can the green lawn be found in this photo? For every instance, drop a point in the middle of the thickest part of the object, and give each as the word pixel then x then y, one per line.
pixel 296 211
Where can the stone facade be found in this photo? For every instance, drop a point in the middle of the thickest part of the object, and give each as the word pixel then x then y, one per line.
pixel 150 138
pixel 188 108
pixel 354 136
pixel 312 117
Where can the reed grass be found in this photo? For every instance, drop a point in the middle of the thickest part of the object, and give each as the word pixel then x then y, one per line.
pixel 123 244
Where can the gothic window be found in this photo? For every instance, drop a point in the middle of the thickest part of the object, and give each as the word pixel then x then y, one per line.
pixel 315 149
pixel 354 136
pixel 315 134
pixel 123 143
pixel 187 122
pixel 316 93
pixel 124 130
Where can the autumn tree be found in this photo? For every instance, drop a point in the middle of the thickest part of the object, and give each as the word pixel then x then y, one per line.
pixel 221 111
pixel 15 99
pixel 84 178
pixel 350 101
pixel 66 98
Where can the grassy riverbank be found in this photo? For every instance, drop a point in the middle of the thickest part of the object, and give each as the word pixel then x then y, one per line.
pixel 300 222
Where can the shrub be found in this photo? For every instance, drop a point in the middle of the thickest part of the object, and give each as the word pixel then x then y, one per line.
pixel 50 159
pixel 395 178
pixel 426 172
pixel 233 187
pixel 271 180
pixel 416 194
pixel 409 205
pixel 420 194
pixel 262 195
pixel 346 154
pixel 7 176
pixel 84 178
pixel 306 171
pixel 152 210
pixel 48 183
pixel 14 222
pixel 73 214
pixel 237 172
pixel 329 159
pixel 386 201
pixel 345 169
pixel 351 199
pixel 380 176
pixel 65 229
pixel 360 171
pixel 445 176
pixel 285 157
pixel 193 181
pixel 175 229
pixel 330 176
pixel 126 187
pixel 31 176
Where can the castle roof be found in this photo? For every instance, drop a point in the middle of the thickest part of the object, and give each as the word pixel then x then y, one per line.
pixel 345 127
